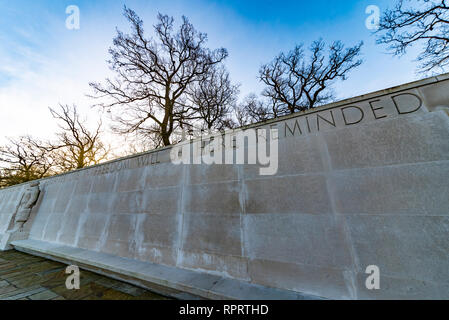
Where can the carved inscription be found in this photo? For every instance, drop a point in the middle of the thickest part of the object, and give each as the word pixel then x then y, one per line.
pixel 338 117
pixel 311 122
pixel 132 163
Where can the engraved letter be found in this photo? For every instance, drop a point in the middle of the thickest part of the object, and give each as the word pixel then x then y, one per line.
pixel 362 114
pixel 400 106
pixel 294 128
pixel 374 109
pixel 318 117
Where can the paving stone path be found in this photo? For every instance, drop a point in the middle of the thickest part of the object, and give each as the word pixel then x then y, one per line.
pixel 26 277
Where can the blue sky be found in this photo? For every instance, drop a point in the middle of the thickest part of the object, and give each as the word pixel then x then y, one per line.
pixel 43 63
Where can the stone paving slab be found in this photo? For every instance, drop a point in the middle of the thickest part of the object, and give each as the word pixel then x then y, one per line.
pixel 183 283
pixel 28 277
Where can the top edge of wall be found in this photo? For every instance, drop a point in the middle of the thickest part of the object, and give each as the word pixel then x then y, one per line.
pixel 403 87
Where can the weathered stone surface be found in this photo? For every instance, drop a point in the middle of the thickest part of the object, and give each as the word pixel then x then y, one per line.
pixel 162 201
pixel 409 139
pixel 158 278
pixel 435 96
pixel 130 180
pixel 312 280
pixel 297 155
pixel 406 247
pixel 41 279
pixel 222 264
pixel 419 189
pixel 221 234
pixel 103 183
pixel 95 225
pixel 120 238
pixel 297 238
pixel 67 233
pixel 163 175
pixel 359 182
pixel 156 254
pixel 200 174
pixel 157 229
pixel 213 198
pixel 290 194
pixel 392 288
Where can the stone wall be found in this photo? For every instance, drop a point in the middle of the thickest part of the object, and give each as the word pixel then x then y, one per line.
pixel 360 182
pixel 9 201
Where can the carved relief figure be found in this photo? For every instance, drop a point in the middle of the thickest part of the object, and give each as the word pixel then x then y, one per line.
pixel 29 199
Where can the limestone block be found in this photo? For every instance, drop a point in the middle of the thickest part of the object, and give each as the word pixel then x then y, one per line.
pixel 156 254
pixel 69 229
pixel 39 223
pixel 63 197
pixel 78 203
pixel 409 139
pixel 104 183
pixel 130 180
pixel 90 232
pixel 120 248
pixel 199 174
pixel 164 201
pixel 297 238
pixel 10 201
pixel 4 200
pixel 121 227
pixel 212 233
pixel 158 229
pixel 83 186
pixel 392 288
pixel 419 189
pixel 289 194
pixel 53 225
pixel 5 218
pixel 9 207
pixel 126 202
pixel 100 203
pixel 228 266
pixel 120 236
pixel 314 280
pixel 163 175
pixel 435 95
pixel 47 201
pixel 296 155
pixel 213 198
pixel 404 247
pixel 11 196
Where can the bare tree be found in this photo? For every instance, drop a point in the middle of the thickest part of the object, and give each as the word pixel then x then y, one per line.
pixel 253 110
pixel 3 179
pixel 213 99
pixel 23 159
pixel 241 116
pixel 418 22
pixel 76 146
pixel 133 144
pixel 153 76
pixel 294 83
